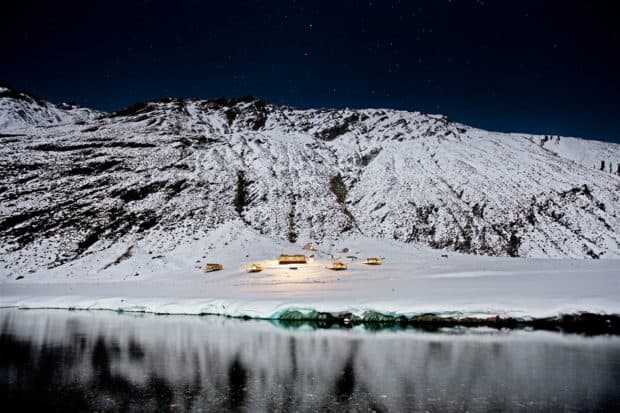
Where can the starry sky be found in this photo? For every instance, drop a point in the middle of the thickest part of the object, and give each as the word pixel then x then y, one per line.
pixel 524 66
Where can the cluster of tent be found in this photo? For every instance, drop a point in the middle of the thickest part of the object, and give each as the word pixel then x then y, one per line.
pixel 296 259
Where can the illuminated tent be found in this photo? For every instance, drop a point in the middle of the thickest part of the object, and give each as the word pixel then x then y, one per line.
pixel 337 266
pixel 373 261
pixel 213 267
pixel 255 268
pixel 292 259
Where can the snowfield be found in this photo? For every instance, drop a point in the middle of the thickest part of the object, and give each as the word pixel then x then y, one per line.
pixel 411 281
pixel 120 211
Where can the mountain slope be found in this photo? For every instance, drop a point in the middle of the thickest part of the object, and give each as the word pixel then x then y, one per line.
pixel 19 110
pixel 172 171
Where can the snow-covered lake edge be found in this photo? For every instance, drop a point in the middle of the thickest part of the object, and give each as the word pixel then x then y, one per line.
pixel 414 286
pixel 576 322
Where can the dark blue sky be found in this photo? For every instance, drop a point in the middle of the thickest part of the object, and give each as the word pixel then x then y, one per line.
pixel 532 66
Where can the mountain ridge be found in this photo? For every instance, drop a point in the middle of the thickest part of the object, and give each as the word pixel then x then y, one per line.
pixel 169 171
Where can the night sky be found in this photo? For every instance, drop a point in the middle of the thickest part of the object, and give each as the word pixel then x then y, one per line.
pixel 531 66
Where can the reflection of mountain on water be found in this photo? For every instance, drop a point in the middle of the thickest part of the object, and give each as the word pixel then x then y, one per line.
pixel 237 380
pixel 67 361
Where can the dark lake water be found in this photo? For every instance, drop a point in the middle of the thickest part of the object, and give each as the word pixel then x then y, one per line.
pixel 59 360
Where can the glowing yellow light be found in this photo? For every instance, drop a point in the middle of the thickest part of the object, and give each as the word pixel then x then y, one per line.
pixel 213 267
pixel 292 259
pixel 255 268
pixel 337 266
pixel 373 261
pixel 310 247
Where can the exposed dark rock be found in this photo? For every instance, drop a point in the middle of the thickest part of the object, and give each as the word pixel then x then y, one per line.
pixel 332 133
pixel 241 193
pixel 92 168
pixel 135 109
pixel 140 192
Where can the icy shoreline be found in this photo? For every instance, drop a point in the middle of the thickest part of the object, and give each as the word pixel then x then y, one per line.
pixel 413 286
pixel 580 322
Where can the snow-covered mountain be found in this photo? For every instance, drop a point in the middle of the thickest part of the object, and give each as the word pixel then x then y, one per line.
pixel 171 171
pixel 19 110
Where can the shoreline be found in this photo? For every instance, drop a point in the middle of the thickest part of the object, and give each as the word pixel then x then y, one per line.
pixel 414 288
pixel 586 323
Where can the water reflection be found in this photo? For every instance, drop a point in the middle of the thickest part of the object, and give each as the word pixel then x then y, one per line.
pixel 86 361
pixel 237 380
